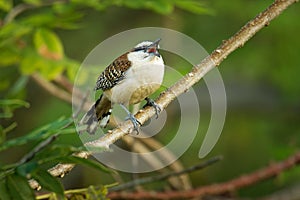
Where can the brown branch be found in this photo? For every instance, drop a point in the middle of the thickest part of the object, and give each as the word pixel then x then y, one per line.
pixel 68 86
pixel 168 155
pixel 216 189
pixel 59 170
pixel 60 93
pixel 161 177
pixel 64 82
pixel 139 147
pixel 52 89
pixel 217 56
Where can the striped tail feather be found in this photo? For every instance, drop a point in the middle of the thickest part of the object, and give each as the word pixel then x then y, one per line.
pixel 97 115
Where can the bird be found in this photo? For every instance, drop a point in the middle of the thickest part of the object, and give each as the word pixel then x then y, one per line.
pixel 129 79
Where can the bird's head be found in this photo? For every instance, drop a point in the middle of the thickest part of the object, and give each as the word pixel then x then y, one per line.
pixel 145 51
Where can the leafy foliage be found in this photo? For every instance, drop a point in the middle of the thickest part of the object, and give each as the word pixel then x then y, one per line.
pixel 14 177
pixel 29 44
pixel 9 105
pixel 18 187
pixel 39 134
pixel 48 181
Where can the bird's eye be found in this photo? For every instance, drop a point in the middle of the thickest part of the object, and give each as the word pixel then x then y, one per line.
pixel 140 49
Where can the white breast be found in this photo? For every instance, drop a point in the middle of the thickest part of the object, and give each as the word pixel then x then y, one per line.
pixel 141 80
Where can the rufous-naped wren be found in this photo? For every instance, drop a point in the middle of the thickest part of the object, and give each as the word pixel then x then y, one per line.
pixel 128 80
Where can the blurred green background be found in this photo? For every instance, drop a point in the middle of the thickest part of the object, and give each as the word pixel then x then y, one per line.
pixel 261 80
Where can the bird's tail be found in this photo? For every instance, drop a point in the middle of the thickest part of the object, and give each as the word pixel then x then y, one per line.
pixel 98 114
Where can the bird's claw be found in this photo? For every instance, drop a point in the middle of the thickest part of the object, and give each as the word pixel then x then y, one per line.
pixel 152 103
pixel 134 121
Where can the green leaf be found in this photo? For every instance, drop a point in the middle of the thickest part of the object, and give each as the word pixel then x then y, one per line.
pixel 160 6
pixel 9 56
pixel 15 103
pixel 26 168
pixel 18 86
pixel 96 4
pixel 9 105
pixel 39 134
pixel 60 16
pixel 4 190
pixel 51 69
pixel 5 5
pixel 33 62
pixel 135 4
pixel 71 68
pixel 39 19
pixel 30 63
pixel 97 193
pixel 48 45
pixel 87 162
pixel 11 32
pixel 195 7
pixel 56 152
pixel 4 131
pixel 19 188
pixel 33 2
pixel 48 181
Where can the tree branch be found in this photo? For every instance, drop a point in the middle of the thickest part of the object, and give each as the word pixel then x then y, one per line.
pixel 52 89
pixel 160 177
pixel 216 189
pixel 238 40
pixel 198 71
pixel 60 93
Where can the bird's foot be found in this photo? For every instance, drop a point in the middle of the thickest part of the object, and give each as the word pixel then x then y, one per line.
pixel 135 122
pixel 131 117
pixel 152 103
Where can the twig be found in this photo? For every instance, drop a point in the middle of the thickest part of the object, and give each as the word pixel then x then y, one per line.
pixel 160 177
pixel 180 182
pixel 17 10
pixel 63 81
pixel 214 59
pixel 65 167
pixel 29 156
pixel 216 189
pixel 52 89
pixel 169 155
pixel 217 56
pixel 166 154
pixel 58 92
pixel 59 170
pixel 142 145
pixel 37 149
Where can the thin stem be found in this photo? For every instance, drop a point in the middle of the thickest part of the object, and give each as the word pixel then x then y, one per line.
pixel 37 149
pixel 216 189
pixel 214 59
pixel 161 177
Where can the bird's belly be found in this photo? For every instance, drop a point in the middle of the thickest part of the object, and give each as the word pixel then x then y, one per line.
pixel 138 84
pixel 142 92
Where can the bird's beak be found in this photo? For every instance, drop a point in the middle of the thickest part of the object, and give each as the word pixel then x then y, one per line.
pixel 152 48
pixel 156 42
